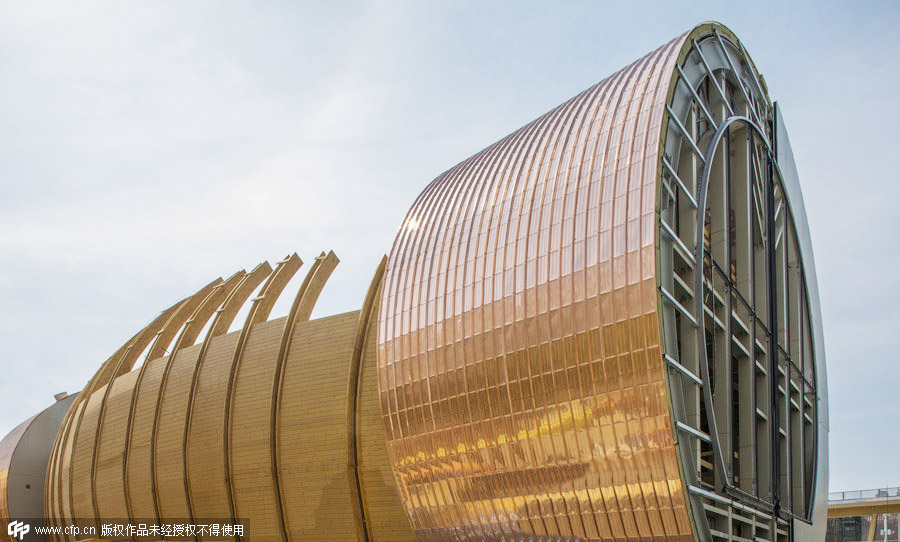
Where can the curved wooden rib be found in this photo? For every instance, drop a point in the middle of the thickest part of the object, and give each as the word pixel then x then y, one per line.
pixel 52 488
pixel 192 328
pixel 125 364
pixel 128 353
pixel 49 487
pixel 162 335
pixel 53 502
pixel 211 304
pixel 182 316
pixel 65 467
pixel 300 311
pixel 259 312
pixel 359 347
pixel 71 422
pixel 222 321
pixel 52 491
pixel 225 316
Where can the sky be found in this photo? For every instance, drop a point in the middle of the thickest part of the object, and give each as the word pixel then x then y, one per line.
pixel 148 148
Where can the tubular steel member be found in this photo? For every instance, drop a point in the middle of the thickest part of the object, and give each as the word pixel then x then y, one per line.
pixel 605 326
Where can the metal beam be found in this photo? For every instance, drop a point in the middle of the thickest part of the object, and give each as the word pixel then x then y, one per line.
pixel 684 133
pixel 712 77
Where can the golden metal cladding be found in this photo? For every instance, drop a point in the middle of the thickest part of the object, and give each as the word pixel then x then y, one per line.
pixel 519 360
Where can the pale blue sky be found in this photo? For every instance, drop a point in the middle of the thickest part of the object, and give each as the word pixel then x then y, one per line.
pixel 146 149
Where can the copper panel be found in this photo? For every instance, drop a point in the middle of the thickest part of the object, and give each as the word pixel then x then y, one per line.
pixel 519 357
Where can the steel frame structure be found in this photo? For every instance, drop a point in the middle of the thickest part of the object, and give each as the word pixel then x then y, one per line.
pixel 736 314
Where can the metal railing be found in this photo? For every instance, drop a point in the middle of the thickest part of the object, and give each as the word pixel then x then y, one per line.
pixel 864 495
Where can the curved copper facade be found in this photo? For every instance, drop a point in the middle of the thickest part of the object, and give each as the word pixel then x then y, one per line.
pixel 519 343
pixel 523 373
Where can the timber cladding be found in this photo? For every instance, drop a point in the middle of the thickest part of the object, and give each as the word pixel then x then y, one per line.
pixel 251 426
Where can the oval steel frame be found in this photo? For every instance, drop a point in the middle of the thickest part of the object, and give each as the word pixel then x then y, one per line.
pixel 698 280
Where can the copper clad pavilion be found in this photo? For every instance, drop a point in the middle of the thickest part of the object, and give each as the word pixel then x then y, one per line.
pixel 605 326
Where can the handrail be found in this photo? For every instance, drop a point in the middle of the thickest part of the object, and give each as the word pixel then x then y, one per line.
pixel 864 494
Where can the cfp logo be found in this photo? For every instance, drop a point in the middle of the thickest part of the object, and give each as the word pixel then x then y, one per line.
pixel 18 529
